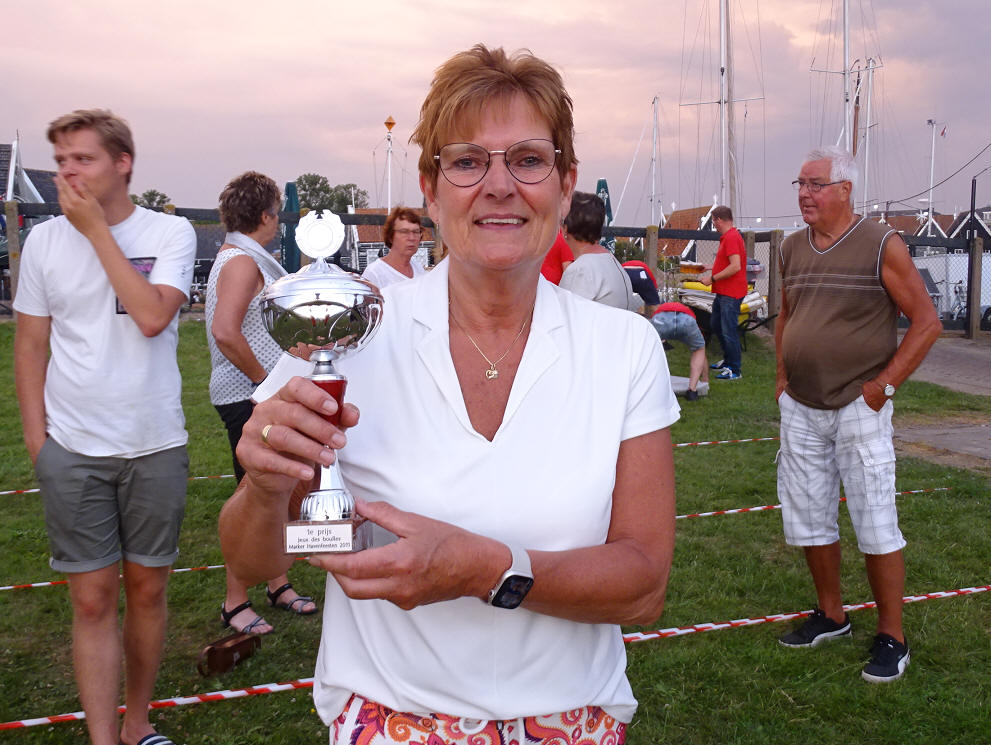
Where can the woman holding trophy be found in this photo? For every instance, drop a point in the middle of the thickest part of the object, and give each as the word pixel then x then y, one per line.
pixel 513 456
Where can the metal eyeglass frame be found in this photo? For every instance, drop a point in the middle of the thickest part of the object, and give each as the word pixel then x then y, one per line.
pixel 505 159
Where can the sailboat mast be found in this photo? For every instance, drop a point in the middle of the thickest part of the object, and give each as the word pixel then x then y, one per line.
pixel 730 120
pixel 653 167
pixel 389 124
pixel 727 172
pixel 847 102
pixel 932 171
pixel 723 100
pixel 867 129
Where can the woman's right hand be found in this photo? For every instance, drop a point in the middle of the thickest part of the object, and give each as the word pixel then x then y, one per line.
pixel 296 436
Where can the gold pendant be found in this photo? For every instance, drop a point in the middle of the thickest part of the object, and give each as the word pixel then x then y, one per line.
pixel 491 374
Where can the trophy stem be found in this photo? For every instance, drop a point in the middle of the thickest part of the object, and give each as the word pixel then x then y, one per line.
pixel 329 498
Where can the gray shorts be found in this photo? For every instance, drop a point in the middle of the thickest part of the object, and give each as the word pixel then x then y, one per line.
pixel 675 326
pixel 99 510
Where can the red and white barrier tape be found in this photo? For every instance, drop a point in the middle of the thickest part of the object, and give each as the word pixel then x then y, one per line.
pixel 171 702
pixel 63 582
pixel 736 511
pixel 628 638
pixel 19 491
pixel 230 475
pixel 725 442
pixel 774 617
pixel 739 510
pixel 191 478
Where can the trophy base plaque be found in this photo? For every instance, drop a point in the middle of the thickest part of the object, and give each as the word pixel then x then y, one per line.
pixel 327 536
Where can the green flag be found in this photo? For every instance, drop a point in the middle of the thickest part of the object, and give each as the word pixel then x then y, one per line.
pixel 602 192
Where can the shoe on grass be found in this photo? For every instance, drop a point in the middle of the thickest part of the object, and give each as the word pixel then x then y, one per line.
pixel 691 395
pixel 818 628
pixel 728 374
pixel 889 658
pixel 718 365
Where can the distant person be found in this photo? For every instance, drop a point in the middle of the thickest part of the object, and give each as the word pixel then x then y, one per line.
pixel 100 289
pixel 845 279
pixel 242 352
pixel 402 234
pixel 677 322
pixel 595 274
pixel 644 285
pixel 557 259
pixel 728 277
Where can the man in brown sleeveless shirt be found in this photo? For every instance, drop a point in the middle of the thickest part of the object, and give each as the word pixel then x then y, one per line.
pixel 844 281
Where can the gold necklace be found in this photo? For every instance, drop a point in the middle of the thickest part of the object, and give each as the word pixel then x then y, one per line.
pixel 492 373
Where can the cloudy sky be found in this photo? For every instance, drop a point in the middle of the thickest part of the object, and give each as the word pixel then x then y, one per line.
pixel 214 88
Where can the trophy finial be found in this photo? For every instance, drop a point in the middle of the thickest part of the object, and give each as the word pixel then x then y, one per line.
pixel 320 235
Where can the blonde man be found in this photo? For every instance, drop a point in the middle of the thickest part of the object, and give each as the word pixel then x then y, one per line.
pixel 101 288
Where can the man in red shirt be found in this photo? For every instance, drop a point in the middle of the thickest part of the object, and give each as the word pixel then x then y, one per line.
pixel 728 278
pixel 557 260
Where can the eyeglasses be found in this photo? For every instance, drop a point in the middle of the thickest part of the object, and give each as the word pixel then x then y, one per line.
pixel 409 232
pixel 813 186
pixel 529 162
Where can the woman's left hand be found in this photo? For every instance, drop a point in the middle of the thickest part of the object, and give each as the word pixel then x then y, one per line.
pixel 431 561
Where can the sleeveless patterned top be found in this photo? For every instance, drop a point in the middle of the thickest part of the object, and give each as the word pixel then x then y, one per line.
pixel 228 384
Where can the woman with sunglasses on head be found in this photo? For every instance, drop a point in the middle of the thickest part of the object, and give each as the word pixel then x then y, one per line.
pixel 402 234
pixel 513 455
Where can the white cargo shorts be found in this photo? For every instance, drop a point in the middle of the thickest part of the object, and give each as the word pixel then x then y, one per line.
pixel 820 449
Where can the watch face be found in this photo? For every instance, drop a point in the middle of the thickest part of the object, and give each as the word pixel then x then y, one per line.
pixel 889 390
pixel 512 591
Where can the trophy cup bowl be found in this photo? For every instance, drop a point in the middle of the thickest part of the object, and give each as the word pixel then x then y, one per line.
pixel 325 307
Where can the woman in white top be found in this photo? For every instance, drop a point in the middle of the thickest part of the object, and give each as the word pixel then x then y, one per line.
pixel 513 454
pixel 402 233
pixel 242 353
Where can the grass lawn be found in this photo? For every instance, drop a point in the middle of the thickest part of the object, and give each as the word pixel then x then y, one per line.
pixel 730 686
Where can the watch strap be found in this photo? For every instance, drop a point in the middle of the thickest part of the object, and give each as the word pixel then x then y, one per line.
pixel 520 566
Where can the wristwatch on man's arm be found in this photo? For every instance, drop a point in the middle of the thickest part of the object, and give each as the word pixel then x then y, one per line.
pixel 887 388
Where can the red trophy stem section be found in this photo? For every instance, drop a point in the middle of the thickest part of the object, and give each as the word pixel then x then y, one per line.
pixel 336 389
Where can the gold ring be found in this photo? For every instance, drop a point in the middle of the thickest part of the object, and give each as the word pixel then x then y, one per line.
pixel 265 430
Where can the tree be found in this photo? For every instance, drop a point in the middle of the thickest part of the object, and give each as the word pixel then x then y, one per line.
pixel 343 193
pixel 627 250
pixel 152 199
pixel 316 193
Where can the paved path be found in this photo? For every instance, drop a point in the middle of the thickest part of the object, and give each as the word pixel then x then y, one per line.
pixel 961 365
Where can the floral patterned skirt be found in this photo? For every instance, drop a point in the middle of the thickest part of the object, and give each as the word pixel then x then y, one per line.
pixel 365 722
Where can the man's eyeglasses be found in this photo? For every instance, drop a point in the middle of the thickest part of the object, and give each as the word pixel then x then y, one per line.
pixel 813 186
pixel 529 162
pixel 409 232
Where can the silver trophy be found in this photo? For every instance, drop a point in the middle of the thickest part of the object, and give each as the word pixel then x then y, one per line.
pixel 333 313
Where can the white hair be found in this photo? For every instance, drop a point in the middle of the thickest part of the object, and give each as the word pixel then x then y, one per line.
pixel 842 166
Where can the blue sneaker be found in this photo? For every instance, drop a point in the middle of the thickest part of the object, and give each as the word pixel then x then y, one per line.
pixel 728 374
pixel 718 365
